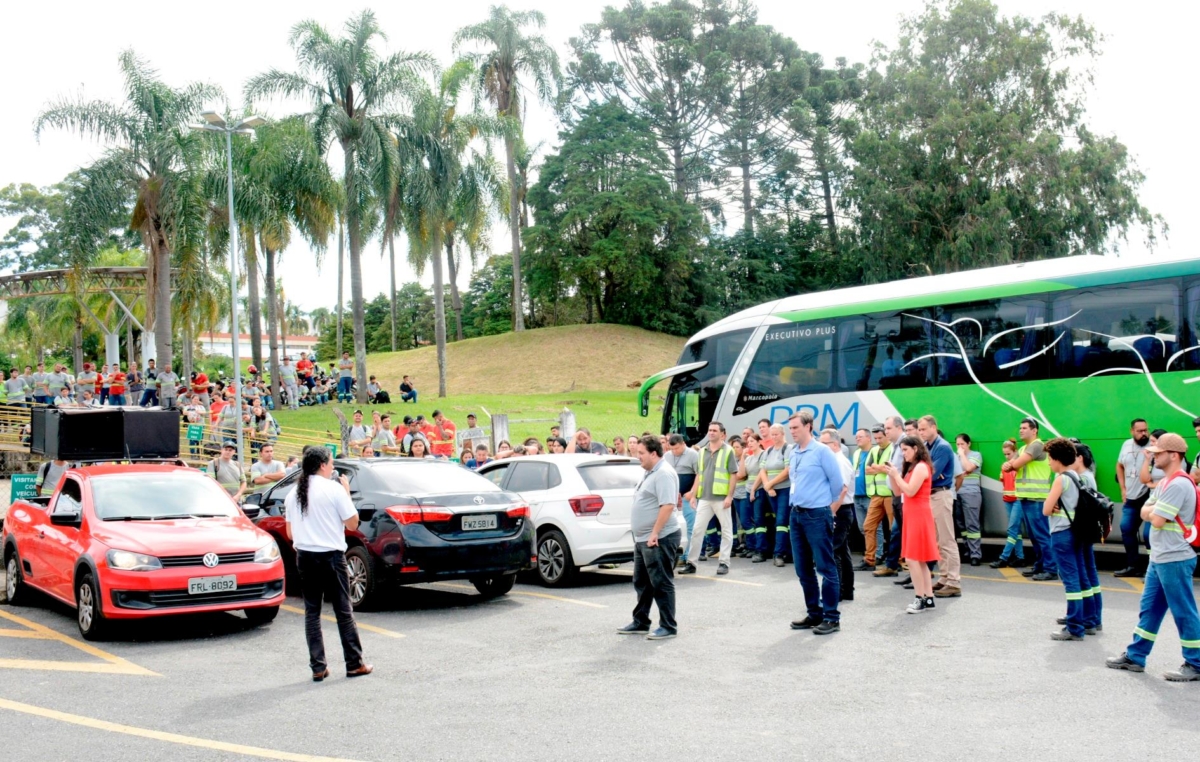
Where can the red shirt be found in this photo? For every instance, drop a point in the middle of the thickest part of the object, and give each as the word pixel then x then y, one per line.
pixel 200 384
pixel 447 448
pixel 117 384
pixel 304 368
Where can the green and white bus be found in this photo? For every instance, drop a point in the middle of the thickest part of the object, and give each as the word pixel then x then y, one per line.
pixel 1083 344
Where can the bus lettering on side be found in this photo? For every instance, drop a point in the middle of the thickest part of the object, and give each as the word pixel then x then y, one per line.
pixel 824 417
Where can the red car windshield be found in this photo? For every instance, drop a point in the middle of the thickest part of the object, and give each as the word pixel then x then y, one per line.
pixel 149 497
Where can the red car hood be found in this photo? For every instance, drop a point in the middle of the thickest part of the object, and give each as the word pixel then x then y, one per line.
pixel 182 537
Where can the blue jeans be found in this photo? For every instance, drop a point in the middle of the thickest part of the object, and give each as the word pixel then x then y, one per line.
pixel 1069 555
pixel 745 516
pixel 758 509
pixel 811 533
pixel 1168 587
pixel 1091 588
pixel 116 400
pixel 1013 545
pixel 1039 530
pixel 149 398
pixel 689 518
pixel 409 396
pixel 343 391
pixel 783 510
pixel 1131 521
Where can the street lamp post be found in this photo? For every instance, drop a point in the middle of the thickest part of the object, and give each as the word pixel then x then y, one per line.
pixel 215 123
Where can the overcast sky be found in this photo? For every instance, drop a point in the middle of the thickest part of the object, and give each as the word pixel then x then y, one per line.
pixel 55 49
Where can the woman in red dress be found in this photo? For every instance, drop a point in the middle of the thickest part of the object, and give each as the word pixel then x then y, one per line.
pixel 919 535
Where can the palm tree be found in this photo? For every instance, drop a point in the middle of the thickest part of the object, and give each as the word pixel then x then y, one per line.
pixel 475 195
pixel 320 319
pixel 351 88
pixel 509 56
pixel 444 182
pixel 154 157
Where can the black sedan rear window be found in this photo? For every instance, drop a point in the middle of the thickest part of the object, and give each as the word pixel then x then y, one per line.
pixel 430 478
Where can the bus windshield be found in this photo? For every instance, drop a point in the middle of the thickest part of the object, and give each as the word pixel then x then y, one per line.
pixel 692 397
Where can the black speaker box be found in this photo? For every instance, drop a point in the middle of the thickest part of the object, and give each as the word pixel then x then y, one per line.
pixel 102 434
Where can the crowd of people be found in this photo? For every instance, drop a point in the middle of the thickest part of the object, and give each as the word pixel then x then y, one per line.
pixel 913 496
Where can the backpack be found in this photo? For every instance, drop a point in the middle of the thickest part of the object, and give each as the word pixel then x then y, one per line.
pixel 1093 513
pixel 1190 534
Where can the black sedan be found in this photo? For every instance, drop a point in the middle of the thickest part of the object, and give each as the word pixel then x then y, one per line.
pixel 421 521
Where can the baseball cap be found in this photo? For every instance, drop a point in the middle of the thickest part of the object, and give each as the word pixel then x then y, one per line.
pixel 876 429
pixel 470 415
pixel 1169 443
pixel 230 444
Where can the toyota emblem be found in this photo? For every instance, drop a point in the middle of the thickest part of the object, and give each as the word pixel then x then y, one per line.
pixel 211 560
pixel 479 500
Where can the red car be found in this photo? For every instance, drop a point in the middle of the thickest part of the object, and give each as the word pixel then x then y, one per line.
pixel 136 541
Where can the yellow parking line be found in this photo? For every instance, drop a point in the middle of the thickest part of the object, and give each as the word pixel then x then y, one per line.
pixel 545 596
pixel 158 735
pixel 116 665
pixel 30 634
pixel 360 624
pixel 1012 575
pixel 623 573
pixel 1054 583
pixel 1135 582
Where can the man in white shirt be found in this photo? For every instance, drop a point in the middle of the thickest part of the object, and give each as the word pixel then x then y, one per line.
pixel 319 512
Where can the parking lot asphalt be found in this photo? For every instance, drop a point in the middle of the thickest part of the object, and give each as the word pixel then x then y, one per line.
pixel 540 674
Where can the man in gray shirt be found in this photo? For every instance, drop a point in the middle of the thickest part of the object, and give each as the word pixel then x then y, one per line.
pixel 267 470
pixel 168 383
pixel 41 385
pixel 684 461
pixel 656 534
pixel 1133 494
pixel 58 379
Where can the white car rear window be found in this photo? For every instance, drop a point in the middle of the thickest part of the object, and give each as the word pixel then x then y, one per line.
pixel 606 476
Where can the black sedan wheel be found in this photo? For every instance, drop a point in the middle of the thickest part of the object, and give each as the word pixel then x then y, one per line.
pixel 554 563
pixel 494 587
pixel 362 577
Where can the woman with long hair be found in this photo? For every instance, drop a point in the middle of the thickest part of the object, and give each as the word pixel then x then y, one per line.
pixel 419 450
pixel 319 512
pixel 918 542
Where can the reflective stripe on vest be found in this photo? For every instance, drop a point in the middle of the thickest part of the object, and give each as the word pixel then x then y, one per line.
pixel 773 472
pixel 1034 478
pixel 877 484
pixel 975 475
pixel 721 475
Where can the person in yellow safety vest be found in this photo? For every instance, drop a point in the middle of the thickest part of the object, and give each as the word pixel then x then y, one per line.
pixel 862 501
pixel 1034 478
pixel 716 472
pixel 879 494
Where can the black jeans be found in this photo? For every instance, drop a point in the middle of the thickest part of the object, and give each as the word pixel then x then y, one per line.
pixel 325 574
pixel 843 526
pixel 654 581
pixel 893 554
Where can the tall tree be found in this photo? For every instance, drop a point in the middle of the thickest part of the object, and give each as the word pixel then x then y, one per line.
pixel 512 58
pixel 351 87
pixel 975 148
pixel 667 71
pixel 440 169
pixel 154 156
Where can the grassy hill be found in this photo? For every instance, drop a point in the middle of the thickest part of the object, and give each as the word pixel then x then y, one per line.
pixel 541 361
pixel 594 370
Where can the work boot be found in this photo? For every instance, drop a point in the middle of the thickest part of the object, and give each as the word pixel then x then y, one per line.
pixel 779 560
pixel 807 623
pixel 1044 577
pixel 1065 634
pixel 688 568
pixel 886 572
pixel 999 563
pixel 905 581
pixel 1123 662
pixel 827 628
pixel 722 570
pixel 947 591
pixel 757 558
pixel 1185 674
pixel 1129 571
pixel 864 566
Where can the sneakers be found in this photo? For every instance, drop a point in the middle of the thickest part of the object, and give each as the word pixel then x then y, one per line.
pixel 779 560
pixel 947 591
pixel 633 628
pixel 1129 571
pixel 1123 662
pixel 1044 576
pixel 1000 563
pixel 886 572
pixel 1065 634
pixel 920 604
pixel 688 568
pixel 722 569
pixel 807 623
pixel 757 558
pixel 660 634
pixel 1185 674
pixel 827 627
pixel 703 555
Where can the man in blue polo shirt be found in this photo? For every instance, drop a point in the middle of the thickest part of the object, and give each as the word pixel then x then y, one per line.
pixel 816 491
pixel 941 499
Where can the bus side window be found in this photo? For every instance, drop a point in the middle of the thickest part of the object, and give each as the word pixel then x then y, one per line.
pixel 886 351
pixel 1115 329
pixel 1191 361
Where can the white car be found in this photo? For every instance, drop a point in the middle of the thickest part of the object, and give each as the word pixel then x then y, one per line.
pixel 580 506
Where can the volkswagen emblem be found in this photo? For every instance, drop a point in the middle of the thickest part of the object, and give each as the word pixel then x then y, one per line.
pixel 211 560
pixel 479 500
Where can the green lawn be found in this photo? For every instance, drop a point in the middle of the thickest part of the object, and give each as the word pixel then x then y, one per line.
pixel 606 414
